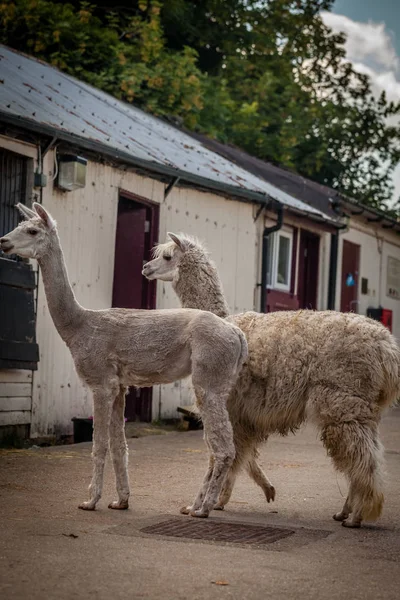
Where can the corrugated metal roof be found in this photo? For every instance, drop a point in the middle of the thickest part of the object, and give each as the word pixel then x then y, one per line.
pixel 318 196
pixel 34 91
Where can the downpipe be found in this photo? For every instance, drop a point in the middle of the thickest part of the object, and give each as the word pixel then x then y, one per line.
pixel 264 260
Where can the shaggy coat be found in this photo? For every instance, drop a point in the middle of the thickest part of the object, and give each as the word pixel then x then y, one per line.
pixel 338 370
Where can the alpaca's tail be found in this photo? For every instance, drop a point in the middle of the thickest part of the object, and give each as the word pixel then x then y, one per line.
pixel 358 453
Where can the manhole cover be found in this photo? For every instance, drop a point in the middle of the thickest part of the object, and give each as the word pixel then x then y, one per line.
pixel 218 532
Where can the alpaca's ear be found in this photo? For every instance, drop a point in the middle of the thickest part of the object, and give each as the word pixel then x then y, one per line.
pixel 44 215
pixel 26 212
pixel 181 243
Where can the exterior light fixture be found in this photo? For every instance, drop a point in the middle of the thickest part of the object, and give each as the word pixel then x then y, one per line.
pixel 71 172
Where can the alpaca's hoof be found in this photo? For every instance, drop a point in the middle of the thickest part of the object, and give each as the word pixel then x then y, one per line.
pixel 270 494
pixel 119 505
pixel 352 524
pixel 219 507
pixel 87 506
pixel 200 514
pixel 185 510
pixel 340 516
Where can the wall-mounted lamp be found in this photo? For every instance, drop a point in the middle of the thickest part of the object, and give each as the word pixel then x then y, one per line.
pixel 71 172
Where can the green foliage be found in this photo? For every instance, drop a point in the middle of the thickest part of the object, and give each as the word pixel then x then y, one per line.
pixel 265 75
pixel 127 58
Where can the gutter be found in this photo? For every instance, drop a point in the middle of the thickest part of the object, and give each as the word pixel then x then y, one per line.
pixel 357 209
pixel 264 260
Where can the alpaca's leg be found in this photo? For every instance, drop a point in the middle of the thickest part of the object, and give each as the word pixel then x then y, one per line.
pixel 228 485
pixel 102 401
pixel 259 477
pixel 356 514
pixel 119 451
pixel 187 510
pixel 249 458
pixel 218 430
pixel 241 454
pixel 345 512
pixel 356 451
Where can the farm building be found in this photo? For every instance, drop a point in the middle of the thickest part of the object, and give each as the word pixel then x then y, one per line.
pixel 362 256
pixel 117 179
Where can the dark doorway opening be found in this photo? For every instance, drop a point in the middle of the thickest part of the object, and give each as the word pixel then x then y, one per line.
pixel 308 269
pixel 350 277
pixel 136 234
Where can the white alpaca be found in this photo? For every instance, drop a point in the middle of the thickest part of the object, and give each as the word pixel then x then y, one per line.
pixel 116 347
pixel 338 370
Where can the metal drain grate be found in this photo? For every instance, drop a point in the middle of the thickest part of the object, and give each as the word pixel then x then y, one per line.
pixel 219 532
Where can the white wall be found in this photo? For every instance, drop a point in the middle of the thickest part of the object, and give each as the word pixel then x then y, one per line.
pixel 376 244
pixel 87 223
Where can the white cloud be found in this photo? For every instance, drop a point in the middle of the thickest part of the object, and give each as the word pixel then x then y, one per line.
pixel 381 81
pixel 370 48
pixel 366 42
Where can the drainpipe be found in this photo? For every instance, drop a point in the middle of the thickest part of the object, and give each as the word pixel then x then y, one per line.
pixel 333 258
pixel 264 260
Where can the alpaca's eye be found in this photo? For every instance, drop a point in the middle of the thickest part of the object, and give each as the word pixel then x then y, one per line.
pixel 32 231
pixel 167 257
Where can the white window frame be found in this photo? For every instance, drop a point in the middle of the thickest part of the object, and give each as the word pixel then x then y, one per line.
pixel 275 241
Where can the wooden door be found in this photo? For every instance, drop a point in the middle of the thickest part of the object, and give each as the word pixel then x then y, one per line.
pixel 137 230
pixel 350 277
pixel 308 270
pixel 18 347
pixel 129 256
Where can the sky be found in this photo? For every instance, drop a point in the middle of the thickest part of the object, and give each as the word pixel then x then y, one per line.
pixel 373 44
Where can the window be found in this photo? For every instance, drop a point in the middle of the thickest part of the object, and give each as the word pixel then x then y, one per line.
pixel 279 266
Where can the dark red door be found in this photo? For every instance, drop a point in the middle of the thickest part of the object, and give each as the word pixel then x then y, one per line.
pixel 129 256
pixel 137 229
pixel 350 277
pixel 308 270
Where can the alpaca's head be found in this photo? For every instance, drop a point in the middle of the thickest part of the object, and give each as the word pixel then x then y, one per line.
pixel 32 238
pixel 168 257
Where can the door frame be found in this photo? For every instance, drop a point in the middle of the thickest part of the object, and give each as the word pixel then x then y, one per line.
pixel 357 278
pixel 154 207
pixel 144 395
pixel 304 269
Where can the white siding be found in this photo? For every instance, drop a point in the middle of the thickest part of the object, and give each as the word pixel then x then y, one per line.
pixel 376 245
pixel 86 223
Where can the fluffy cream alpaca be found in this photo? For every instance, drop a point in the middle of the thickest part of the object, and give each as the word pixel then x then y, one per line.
pixel 338 370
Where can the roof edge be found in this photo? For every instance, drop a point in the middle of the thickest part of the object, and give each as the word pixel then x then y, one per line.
pixel 345 201
pixel 243 194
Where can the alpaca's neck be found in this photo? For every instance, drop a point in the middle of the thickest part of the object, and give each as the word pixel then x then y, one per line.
pixel 198 286
pixel 64 309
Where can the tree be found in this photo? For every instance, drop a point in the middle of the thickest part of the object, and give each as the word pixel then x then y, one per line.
pixel 127 58
pixel 266 75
